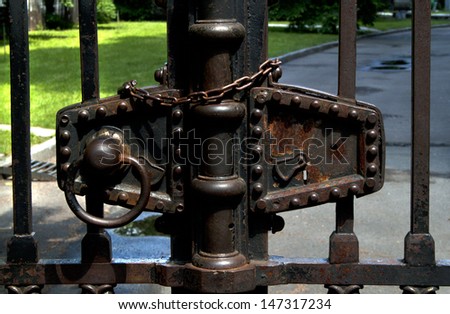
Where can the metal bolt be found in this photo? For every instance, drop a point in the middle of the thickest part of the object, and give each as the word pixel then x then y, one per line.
pixel 370 183
pixel 315 105
pixel 372 151
pixel 261 98
pixel 258 150
pixel 123 197
pixel 261 205
pixel 159 76
pixel 372 169
pixel 257 171
pixel 295 202
pixel 83 115
pixel 314 197
pixel 335 192
pixel 65 152
pixel 101 112
pixel 354 189
pixel 65 136
pixel 257 114
pixel 335 109
pixel 177 171
pixel 372 135
pixel 64 120
pixel 257 131
pixel 276 96
pixel 180 208
pixel 258 188
pixel 296 101
pixel 122 107
pixel 372 118
pixel 177 115
pixel 353 114
pixel 159 205
pixel 65 167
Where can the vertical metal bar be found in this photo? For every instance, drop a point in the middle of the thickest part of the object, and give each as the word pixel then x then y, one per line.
pixel 421 118
pixel 344 246
pixel 96 244
pixel 89 50
pixel 255 19
pixel 177 40
pixel 20 117
pixel 419 244
pixel 22 246
pixel 178 77
pixel 345 216
pixel 347 50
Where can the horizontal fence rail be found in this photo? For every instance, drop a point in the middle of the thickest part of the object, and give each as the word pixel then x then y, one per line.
pixel 342 271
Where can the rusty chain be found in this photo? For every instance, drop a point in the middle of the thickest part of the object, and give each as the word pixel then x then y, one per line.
pixel 203 97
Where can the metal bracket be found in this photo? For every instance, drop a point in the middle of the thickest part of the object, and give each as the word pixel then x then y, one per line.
pixel 147 132
pixel 310 148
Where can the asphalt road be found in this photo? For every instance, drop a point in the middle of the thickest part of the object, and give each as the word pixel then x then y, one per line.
pixel 388 89
pixel 381 219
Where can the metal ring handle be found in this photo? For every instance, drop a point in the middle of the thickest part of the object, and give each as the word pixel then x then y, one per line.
pixel 108 222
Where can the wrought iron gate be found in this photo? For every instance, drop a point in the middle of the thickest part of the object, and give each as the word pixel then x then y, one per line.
pixel 219 148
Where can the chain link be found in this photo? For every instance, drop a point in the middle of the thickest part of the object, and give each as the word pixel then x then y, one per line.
pixel 203 97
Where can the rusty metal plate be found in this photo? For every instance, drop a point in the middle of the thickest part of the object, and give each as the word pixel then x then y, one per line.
pixel 146 131
pixel 308 148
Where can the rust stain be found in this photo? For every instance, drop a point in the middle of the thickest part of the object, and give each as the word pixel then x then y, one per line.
pixel 289 134
pixel 315 175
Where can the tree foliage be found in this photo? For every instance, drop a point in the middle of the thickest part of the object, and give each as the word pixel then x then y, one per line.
pixel 322 15
pixel 58 21
pixel 106 11
pixel 139 10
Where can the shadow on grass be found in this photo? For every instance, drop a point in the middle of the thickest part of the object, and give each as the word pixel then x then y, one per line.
pixel 40 36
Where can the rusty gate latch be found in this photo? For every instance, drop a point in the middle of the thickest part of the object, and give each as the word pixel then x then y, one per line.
pixel 315 148
pixel 302 147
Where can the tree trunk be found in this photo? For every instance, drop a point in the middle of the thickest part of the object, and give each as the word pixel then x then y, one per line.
pixel 36 14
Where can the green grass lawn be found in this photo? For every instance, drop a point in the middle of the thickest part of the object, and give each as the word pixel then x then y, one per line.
pixel 124 54
pixel 127 50
pixel 282 42
pixel 384 24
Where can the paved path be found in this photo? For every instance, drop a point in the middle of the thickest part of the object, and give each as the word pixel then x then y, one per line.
pixel 381 220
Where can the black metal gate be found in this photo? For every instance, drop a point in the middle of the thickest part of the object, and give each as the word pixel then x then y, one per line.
pixel 200 149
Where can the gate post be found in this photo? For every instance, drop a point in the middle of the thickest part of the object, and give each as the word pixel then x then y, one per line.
pixel 217 187
pixel 211 44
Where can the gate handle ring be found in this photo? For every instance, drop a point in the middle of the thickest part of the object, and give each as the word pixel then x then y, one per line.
pixel 108 222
